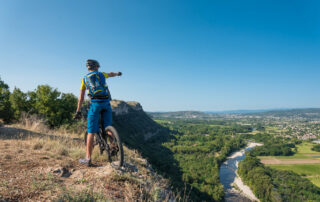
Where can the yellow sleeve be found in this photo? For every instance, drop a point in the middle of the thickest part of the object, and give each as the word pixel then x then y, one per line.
pixel 105 74
pixel 83 86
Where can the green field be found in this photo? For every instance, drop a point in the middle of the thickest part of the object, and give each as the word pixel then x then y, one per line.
pixel 310 171
pixel 274 130
pixel 305 148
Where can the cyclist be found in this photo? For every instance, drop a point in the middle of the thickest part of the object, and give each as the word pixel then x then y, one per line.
pixel 95 83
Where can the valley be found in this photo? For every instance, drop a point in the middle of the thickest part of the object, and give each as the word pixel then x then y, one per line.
pixel 283 152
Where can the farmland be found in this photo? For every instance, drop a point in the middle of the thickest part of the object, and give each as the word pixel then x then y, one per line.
pixel 305 162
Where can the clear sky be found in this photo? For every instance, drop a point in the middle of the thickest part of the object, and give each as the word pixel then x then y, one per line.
pixel 174 55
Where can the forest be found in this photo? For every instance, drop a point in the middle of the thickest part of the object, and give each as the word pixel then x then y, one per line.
pixel 192 154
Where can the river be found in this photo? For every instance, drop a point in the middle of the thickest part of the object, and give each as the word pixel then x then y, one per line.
pixel 229 178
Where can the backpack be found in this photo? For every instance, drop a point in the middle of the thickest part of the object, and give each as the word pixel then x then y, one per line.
pixel 95 85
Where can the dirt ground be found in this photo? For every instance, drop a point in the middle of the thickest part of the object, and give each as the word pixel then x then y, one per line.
pixel 290 161
pixel 31 171
pixel 28 174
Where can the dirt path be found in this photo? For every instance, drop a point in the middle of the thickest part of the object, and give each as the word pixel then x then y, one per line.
pixel 289 161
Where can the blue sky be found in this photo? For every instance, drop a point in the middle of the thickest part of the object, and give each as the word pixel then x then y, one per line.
pixel 174 55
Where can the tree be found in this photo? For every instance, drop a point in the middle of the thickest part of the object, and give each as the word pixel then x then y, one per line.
pixel 19 102
pixel 57 108
pixel 6 112
pixel 67 106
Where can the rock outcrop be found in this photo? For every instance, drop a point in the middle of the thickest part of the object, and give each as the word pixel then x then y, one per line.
pixel 134 125
pixel 120 107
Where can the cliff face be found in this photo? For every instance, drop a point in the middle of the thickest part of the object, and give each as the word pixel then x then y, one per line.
pixel 122 108
pixel 133 124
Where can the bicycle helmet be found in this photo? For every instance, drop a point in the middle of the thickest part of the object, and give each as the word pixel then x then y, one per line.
pixel 92 64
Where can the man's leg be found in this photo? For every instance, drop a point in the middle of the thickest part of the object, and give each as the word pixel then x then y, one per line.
pixel 93 127
pixel 90 145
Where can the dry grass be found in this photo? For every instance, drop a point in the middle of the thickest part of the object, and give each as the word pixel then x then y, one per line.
pixel 38 145
pixel 33 122
pixel 64 150
pixel 37 124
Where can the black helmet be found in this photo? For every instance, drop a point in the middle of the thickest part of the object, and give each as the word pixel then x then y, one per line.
pixel 92 64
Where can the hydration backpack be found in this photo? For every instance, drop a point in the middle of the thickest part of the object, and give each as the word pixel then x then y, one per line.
pixel 95 83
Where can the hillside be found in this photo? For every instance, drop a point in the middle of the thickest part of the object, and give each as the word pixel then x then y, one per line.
pixel 41 164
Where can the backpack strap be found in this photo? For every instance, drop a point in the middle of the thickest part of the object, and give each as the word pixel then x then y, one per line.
pixel 99 77
pixel 87 85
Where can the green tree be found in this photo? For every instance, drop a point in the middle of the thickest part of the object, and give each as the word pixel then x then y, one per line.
pixel 6 111
pixel 57 108
pixel 19 102
pixel 67 106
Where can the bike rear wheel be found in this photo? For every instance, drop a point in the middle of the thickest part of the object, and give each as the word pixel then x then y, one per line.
pixel 115 147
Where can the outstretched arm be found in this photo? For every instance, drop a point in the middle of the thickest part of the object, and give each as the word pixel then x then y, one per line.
pixel 113 74
pixel 81 98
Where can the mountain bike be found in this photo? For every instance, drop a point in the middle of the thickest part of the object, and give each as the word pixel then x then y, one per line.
pixel 110 142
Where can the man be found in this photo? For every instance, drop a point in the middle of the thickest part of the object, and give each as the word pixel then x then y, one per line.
pixel 95 83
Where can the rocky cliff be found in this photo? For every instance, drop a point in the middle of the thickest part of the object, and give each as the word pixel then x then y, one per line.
pixel 133 124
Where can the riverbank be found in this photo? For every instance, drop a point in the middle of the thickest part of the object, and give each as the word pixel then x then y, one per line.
pixel 241 152
pixel 235 189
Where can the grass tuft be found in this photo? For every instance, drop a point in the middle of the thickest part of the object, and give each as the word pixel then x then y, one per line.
pixel 38 146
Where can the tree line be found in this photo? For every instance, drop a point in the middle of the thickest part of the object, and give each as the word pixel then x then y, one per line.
pixel 273 146
pixel 55 107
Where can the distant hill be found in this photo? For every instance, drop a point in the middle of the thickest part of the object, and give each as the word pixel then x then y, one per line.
pixel 302 113
pixel 241 111
pixel 179 115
